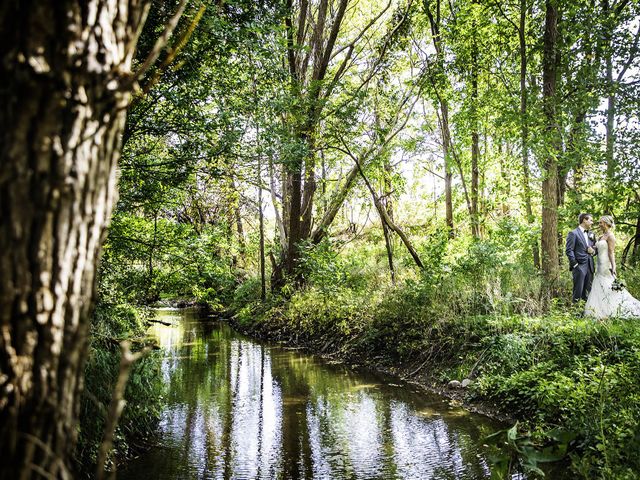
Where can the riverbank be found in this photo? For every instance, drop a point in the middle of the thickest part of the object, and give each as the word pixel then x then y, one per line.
pixel 111 324
pixel 563 378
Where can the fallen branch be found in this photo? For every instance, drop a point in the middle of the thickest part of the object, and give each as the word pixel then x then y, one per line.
pixel 162 322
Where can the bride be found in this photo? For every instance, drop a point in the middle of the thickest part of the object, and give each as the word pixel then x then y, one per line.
pixel 606 298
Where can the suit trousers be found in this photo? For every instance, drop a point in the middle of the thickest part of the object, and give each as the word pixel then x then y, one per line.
pixel 582 279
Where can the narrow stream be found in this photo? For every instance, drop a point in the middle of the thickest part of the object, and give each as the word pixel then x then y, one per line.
pixel 239 409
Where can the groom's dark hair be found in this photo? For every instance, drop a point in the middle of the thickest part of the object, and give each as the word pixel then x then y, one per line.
pixel 582 216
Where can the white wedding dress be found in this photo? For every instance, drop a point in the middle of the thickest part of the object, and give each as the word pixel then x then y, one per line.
pixel 603 301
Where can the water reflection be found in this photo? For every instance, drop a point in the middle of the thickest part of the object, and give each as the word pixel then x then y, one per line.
pixel 237 409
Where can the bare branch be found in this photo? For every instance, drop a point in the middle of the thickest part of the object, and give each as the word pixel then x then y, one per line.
pixel 160 43
pixel 506 17
pixel 632 56
pixel 117 404
pixel 384 215
pixel 182 41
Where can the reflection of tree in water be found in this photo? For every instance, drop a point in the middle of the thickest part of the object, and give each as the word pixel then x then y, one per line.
pixel 240 409
pixel 433 448
pixel 295 429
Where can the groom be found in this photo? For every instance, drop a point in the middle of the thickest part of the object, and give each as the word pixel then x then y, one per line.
pixel 579 249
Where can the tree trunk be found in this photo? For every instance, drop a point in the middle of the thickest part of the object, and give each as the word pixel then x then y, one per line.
pixel 274 199
pixel 263 279
pixel 151 295
pixel 64 89
pixel 574 157
pixel 550 265
pixel 475 137
pixel 610 136
pixel 611 103
pixel 636 245
pixel 384 217
pixel 309 189
pixel 313 30
pixel 242 245
pixel 389 247
pixel 294 229
pixel 448 175
pixel 434 22
pixel 524 130
pixel 336 201
pixel 387 204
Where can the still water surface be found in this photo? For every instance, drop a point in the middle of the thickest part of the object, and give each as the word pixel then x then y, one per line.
pixel 239 409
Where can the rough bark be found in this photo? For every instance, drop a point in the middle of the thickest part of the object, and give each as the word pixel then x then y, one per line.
pixel 295 224
pixel 65 77
pixel 549 241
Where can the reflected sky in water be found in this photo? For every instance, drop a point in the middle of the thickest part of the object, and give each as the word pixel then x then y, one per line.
pixel 237 409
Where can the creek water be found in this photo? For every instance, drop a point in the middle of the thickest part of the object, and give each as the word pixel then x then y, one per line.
pixel 241 409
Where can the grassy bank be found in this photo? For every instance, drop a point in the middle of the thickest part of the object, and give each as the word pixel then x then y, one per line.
pixel 552 373
pixel 111 324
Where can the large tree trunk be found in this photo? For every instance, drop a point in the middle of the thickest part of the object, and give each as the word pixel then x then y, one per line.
pixel 550 265
pixel 64 89
pixel 524 129
pixel 312 29
pixel 294 229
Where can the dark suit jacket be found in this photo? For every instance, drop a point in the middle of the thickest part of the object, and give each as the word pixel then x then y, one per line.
pixel 576 250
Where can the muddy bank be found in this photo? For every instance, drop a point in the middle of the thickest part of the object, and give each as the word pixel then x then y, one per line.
pixel 426 377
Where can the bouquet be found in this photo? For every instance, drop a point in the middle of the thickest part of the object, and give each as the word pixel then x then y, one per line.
pixel 618 285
